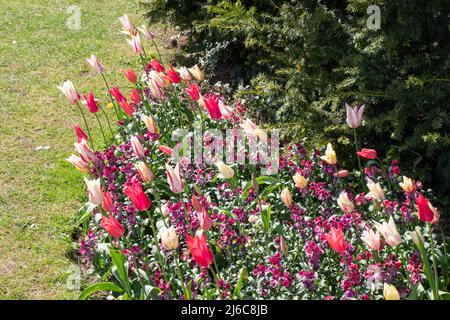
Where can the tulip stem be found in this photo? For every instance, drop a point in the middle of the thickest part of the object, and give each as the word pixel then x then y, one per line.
pixel 86 124
pixel 107 119
pixel 187 295
pixel 111 97
pixel 101 129
pixel 436 278
pixel 157 50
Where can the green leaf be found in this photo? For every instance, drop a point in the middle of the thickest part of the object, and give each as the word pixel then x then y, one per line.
pixel 243 277
pixel 265 217
pixel 100 286
pixel 266 180
pixel 120 270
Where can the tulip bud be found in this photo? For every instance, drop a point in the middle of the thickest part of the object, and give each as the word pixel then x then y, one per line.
pixel 286 197
pixel 196 203
pixel 341 174
pixel 283 246
pixel 95 64
pixel 137 147
pixel 390 292
pixel 169 238
pixel 107 203
pixel 300 181
pixel 225 171
pixel 144 171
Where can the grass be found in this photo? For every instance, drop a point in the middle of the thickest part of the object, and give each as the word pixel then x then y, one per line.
pixel 39 191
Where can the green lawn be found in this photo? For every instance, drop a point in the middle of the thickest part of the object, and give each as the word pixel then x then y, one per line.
pixel 39 191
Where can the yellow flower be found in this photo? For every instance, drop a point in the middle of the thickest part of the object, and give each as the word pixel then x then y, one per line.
pixel 109 105
pixel 407 185
pixel 330 155
pixel 390 292
pixel 300 181
pixel 197 73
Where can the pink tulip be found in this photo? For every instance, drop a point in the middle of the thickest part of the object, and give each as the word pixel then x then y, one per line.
pixel 112 226
pixel 79 163
pixel 91 102
pixel 94 191
pixel 137 147
pixel 156 65
pixel 341 174
pixel 135 96
pixel 367 153
pixel 336 240
pixel 81 136
pixel 196 204
pixel 192 90
pixel 427 213
pixel 199 249
pixel 166 150
pixel 212 104
pixel 174 178
pixel 354 116
pixel 204 219
pixel 173 76
pixel 135 43
pixel 147 33
pixel 85 153
pixel 96 64
pixel 127 26
pixel 107 203
pixel 226 111
pixel 130 75
pixel 117 94
pixel 69 91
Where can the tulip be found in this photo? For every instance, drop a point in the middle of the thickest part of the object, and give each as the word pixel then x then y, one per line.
pixel 79 163
pixel 252 130
pixel 416 236
pixel 144 171
pixel 137 147
pixel 107 203
pixel 173 76
pixel 81 136
pixel 94 191
pixel 286 197
pixel 390 292
pixel 135 43
pixel 341 173
pixel 225 172
pixel 150 124
pixel 336 240
pixel 407 185
pixel 345 203
pixel 184 73
pixel 226 111
pixel 204 219
pixel 174 178
pixel 165 209
pixel 147 33
pixel 130 75
pixel 300 181
pixel 330 155
pixel 135 96
pixel 375 191
pixel 112 226
pixel 371 239
pixel 389 232
pixel 192 90
pixel 367 153
pixel 127 108
pixel 197 73
pixel 427 213
pixel 156 65
pixel 69 91
pixel 354 116
pixel 96 64
pixel 137 195
pixel 169 238
pixel 283 246
pixel 199 249
pixel 166 150
pixel 91 102
pixel 196 204
pixel 85 153
pixel 127 25
pixel 158 79
pixel 212 104
pixel 117 94
pixel 155 90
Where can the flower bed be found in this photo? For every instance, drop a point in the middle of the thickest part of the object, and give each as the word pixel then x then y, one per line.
pixel 159 226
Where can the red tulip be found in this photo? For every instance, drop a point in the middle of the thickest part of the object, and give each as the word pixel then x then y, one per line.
pixel 156 65
pixel 137 195
pixel 199 249
pixel 166 150
pixel 135 96
pixel 127 108
pixel 196 204
pixel 91 102
pixel 205 220
pixel 336 240
pixel 131 75
pixel 81 136
pixel 107 203
pixel 192 90
pixel 212 103
pixel 367 153
pixel 117 94
pixel 112 226
pixel 173 76
pixel 426 214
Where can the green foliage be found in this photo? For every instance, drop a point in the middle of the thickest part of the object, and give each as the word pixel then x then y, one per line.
pixel 297 62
